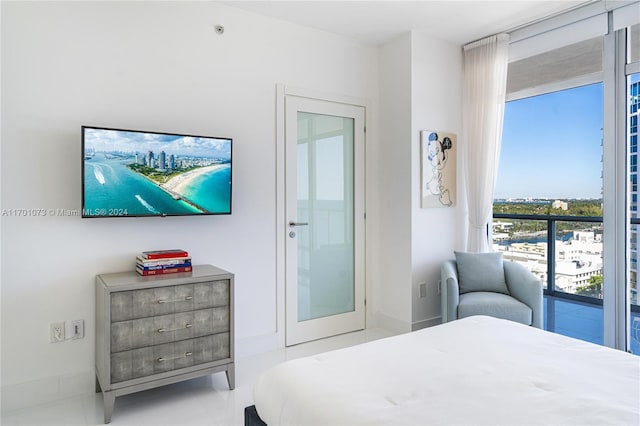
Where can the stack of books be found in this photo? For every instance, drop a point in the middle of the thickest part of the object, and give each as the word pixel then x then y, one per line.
pixel 161 262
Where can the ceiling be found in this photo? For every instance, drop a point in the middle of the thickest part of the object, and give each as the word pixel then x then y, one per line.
pixel 375 22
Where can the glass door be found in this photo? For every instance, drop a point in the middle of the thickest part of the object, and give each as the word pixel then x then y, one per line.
pixel 324 151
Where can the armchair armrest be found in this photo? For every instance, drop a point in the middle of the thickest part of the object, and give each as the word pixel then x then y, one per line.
pixel 449 291
pixel 527 288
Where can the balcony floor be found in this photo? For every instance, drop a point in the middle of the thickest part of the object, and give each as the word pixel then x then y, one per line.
pixel 583 321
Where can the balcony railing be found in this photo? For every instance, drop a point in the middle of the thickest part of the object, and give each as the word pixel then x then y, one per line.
pixel 549 225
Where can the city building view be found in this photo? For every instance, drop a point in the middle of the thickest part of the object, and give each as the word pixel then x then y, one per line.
pixel 632 120
pixel 578 260
pixel 559 192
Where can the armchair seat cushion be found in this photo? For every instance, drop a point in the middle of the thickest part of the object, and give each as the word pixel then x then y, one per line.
pixel 494 304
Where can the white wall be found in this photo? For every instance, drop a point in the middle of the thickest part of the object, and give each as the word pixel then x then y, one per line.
pixel 152 66
pixel 392 300
pixel 160 66
pixel 436 104
pixel 420 88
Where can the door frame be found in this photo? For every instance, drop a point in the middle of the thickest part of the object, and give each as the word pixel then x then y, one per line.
pixel 282 91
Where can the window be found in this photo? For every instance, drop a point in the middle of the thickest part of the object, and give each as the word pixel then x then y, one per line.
pixel 551 164
pixel 560 185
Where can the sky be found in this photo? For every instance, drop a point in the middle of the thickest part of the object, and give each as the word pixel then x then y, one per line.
pixel 551 146
pixel 133 141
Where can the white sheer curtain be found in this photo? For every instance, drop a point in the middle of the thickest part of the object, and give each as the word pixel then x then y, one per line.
pixel 485 77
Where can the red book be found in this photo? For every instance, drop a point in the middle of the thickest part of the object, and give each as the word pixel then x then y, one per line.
pixel 145 272
pixel 164 254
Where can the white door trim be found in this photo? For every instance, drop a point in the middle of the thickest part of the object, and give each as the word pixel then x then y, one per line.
pixel 281 92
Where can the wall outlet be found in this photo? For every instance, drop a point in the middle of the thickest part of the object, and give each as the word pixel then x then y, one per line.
pixel 423 289
pixel 56 332
pixel 77 329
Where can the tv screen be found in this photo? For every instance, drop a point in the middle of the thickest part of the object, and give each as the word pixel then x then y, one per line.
pixel 139 173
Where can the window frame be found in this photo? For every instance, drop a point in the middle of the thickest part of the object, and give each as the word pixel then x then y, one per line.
pixel 616 172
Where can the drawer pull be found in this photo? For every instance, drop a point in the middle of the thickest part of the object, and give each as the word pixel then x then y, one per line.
pixel 164 330
pixel 175 300
pixel 186 355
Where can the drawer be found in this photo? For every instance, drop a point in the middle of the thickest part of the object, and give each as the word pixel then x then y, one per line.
pixel 134 304
pixel 139 333
pixel 142 362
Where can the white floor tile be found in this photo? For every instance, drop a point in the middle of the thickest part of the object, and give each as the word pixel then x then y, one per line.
pixel 64 412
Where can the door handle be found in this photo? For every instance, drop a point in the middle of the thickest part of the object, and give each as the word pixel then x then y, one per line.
pixel 298 223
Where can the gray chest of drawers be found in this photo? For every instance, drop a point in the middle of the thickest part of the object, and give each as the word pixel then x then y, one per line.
pixel 156 330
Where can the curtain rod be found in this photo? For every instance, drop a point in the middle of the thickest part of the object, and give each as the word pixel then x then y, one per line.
pixel 473 45
pixel 572 9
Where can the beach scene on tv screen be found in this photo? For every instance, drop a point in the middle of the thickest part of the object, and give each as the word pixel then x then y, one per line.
pixel 131 173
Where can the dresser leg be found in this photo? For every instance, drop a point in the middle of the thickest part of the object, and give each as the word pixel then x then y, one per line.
pixel 109 402
pixel 231 376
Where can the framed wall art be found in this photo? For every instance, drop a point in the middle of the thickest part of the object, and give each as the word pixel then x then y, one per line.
pixel 438 161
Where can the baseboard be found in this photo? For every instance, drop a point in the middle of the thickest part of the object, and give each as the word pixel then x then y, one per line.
pixel 426 323
pixel 47 390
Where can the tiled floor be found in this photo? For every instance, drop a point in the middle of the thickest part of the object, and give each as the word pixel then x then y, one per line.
pixel 583 321
pixel 203 401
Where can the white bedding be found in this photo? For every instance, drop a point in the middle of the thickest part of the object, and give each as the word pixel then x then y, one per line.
pixel 474 371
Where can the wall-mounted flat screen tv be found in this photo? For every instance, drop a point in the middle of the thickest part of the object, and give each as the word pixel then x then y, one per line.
pixel 140 173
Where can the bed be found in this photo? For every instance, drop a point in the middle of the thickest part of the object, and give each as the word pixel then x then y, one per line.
pixel 474 371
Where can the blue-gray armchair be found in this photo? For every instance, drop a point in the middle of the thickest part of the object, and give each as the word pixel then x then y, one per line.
pixel 482 284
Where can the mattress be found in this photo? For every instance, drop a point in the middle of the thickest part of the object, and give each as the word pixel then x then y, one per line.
pixel 474 371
